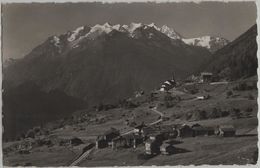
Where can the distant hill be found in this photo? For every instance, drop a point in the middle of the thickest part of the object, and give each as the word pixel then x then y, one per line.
pixel 238 59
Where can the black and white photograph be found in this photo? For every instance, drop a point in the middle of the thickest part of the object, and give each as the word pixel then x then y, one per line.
pixel 95 84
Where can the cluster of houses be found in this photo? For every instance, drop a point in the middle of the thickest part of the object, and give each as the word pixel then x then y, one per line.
pixel 157 138
pixel 167 85
pixel 204 77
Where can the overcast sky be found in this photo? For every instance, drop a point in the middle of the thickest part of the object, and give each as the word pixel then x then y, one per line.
pixel 27 25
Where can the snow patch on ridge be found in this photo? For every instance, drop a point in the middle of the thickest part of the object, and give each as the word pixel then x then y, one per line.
pixel 199 41
pixel 56 41
pixel 75 33
pixel 170 32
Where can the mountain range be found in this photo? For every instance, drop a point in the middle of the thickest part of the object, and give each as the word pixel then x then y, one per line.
pixel 92 62
pixel 81 33
pixel 108 63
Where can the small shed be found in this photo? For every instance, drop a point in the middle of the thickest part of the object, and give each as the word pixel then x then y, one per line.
pixel 166 149
pixel 101 143
pixel 226 131
pixel 206 76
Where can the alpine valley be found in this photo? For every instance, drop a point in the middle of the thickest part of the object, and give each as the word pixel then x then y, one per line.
pixel 73 87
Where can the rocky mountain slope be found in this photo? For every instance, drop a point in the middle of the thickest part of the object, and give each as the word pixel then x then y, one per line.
pixel 105 63
pixel 99 64
pixel 26 106
pixel 238 59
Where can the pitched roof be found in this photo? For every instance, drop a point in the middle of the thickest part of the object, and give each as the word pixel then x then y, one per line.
pixel 227 128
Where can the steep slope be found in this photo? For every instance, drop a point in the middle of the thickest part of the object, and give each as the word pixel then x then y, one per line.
pixel 26 106
pixel 238 59
pixel 106 63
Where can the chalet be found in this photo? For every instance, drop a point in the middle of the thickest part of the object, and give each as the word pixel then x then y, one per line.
pixel 152 147
pixel 203 131
pixel 226 131
pixel 101 143
pixel 103 140
pixel 185 131
pixel 206 77
pixel 166 149
pixel 118 142
pixel 132 140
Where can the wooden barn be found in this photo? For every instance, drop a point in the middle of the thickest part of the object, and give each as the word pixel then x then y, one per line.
pixel 132 140
pixel 103 140
pixel 203 131
pixel 226 131
pixel 185 131
pixel 118 142
pixel 101 143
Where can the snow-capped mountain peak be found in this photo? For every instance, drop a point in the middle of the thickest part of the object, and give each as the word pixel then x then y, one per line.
pixel 209 42
pixel 74 37
pixel 170 32
pixel 56 41
pixel 154 26
pixel 75 33
pixel 132 27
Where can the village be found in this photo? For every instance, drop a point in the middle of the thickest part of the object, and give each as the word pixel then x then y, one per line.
pixel 158 131
pixel 158 137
